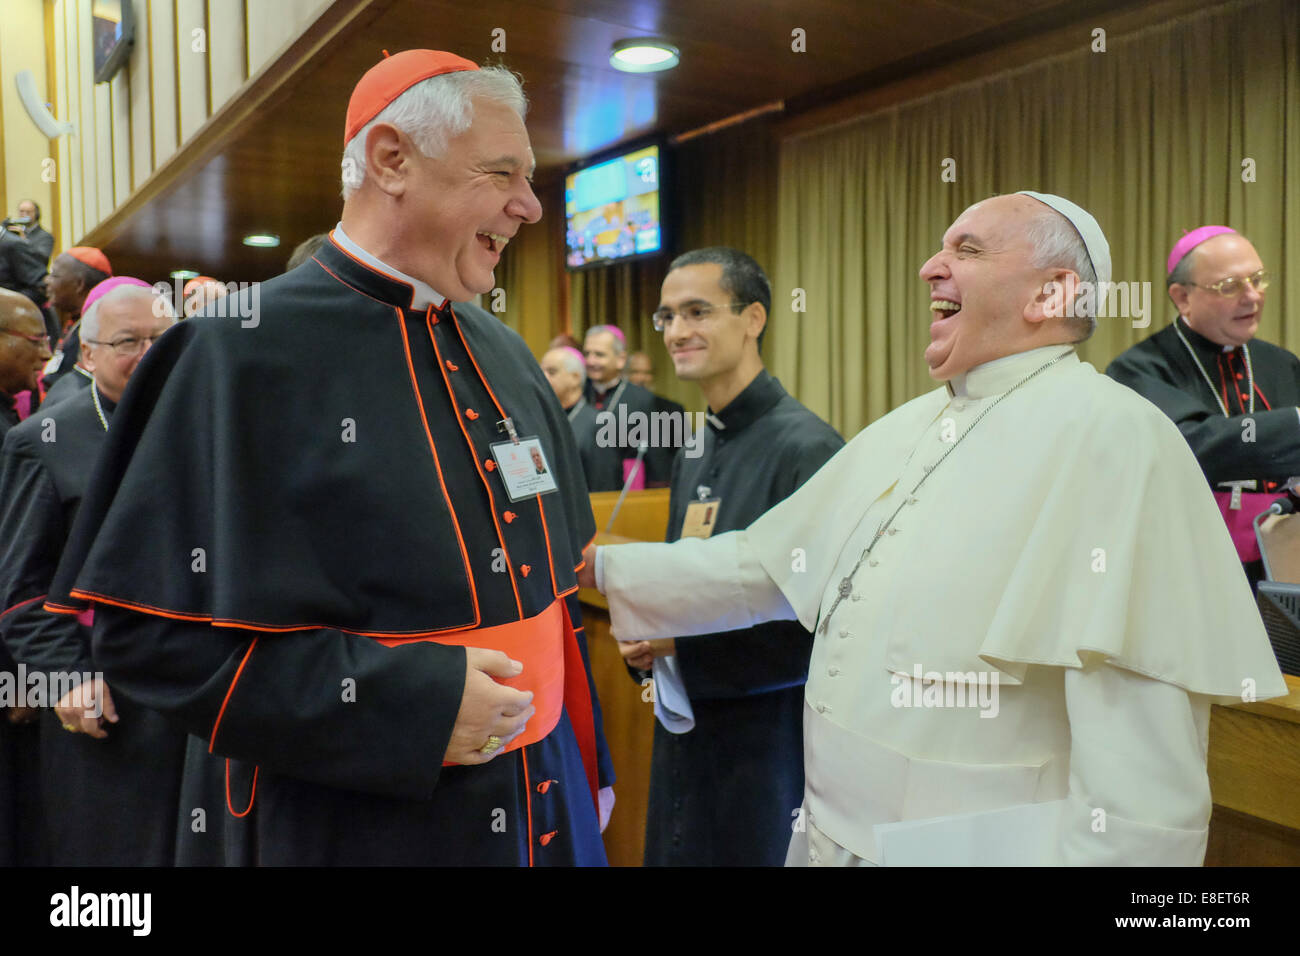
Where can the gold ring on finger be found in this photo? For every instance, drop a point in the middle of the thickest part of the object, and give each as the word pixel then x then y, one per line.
pixel 492 746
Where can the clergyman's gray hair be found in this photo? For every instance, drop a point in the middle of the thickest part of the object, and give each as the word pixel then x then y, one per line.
pixel 614 332
pixel 433 112
pixel 160 304
pixel 572 362
pixel 1058 245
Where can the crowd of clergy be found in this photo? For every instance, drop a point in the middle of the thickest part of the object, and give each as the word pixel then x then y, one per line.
pixel 168 567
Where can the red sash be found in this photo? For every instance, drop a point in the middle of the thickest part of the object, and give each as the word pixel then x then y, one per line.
pixel 553 670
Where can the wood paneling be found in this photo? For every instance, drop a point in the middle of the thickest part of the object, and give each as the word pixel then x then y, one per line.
pixel 626 707
pixel 276 169
pixel 1254 766
pixel 162 72
pixel 141 101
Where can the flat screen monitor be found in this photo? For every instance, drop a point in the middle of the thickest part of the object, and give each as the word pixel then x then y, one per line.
pixel 113 30
pixel 613 208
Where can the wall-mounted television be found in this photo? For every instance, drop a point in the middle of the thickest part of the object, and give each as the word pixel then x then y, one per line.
pixel 613 207
pixel 113 31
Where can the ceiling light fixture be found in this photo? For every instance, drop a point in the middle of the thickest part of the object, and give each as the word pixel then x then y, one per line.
pixel 185 274
pixel 262 240
pixel 643 55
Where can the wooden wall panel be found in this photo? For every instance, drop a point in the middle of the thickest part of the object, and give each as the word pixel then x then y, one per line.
pixel 192 46
pixel 226 49
pixel 141 99
pixel 162 53
pixel 120 122
pixel 82 98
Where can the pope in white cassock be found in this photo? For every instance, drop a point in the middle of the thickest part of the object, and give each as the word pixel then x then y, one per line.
pixel 1032 540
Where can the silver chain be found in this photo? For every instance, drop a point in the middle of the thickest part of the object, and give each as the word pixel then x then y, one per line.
pixel 1250 373
pixel 99 409
pixel 846 583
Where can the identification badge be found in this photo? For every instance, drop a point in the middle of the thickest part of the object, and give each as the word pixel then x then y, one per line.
pixel 701 516
pixel 524 468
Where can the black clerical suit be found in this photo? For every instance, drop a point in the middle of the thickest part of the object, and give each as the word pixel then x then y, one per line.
pixel 21 842
pixel 21 267
pixel 324 492
pixel 1265 450
pixel 42 241
pixel 76 381
pixel 110 802
pixel 614 408
pixel 582 420
pixel 723 793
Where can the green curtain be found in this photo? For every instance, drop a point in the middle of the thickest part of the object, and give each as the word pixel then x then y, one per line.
pixel 1150 136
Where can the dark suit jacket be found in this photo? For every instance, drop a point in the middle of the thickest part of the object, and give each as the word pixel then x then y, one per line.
pixel 21 267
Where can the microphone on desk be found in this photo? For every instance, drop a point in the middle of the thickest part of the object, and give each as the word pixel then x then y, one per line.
pixel 627 483
pixel 1283 506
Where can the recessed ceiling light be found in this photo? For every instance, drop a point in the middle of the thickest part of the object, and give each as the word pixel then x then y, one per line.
pixel 643 55
pixel 185 274
pixel 262 240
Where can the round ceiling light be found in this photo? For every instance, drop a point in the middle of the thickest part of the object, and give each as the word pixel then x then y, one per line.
pixel 262 240
pixel 643 55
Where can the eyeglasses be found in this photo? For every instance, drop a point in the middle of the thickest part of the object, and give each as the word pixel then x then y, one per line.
pixel 42 340
pixel 693 314
pixel 127 346
pixel 1232 286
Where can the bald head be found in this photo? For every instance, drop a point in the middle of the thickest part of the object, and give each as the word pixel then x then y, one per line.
pixel 24 349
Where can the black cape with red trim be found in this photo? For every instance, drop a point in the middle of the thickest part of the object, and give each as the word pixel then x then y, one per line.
pixel 310 470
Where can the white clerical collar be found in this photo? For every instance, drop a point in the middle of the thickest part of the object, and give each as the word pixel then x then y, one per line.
pixel 424 294
pixel 994 378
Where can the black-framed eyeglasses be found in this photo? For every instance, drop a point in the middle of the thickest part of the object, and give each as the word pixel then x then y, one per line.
pixel 43 340
pixel 1234 286
pixel 693 314
pixel 127 346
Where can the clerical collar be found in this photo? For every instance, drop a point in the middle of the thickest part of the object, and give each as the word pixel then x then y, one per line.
pixel 754 401
pixel 602 389
pixel 1209 346
pixel 423 295
pixel 994 378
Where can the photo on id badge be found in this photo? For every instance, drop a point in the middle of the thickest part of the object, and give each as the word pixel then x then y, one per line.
pixel 700 518
pixel 524 468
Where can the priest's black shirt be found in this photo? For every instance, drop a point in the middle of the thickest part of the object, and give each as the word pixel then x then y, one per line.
pixel 725 792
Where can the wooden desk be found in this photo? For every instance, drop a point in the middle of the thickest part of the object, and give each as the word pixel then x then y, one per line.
pixel 1254 765
pixel 629 719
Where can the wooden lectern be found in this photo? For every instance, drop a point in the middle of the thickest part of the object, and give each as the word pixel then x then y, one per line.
pixel 1254 756
pixel 628 713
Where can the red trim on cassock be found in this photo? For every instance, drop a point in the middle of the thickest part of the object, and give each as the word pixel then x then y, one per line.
pixel 21 604
pixel 229 691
